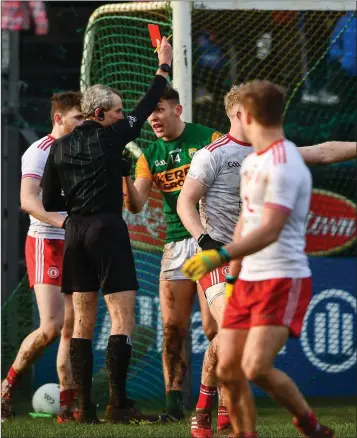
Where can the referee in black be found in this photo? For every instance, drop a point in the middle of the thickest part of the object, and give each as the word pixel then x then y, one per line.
pixel 87 166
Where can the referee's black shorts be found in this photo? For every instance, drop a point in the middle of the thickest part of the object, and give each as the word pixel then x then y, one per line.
pixel 98 255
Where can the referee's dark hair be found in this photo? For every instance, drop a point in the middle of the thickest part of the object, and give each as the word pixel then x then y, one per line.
pixel 64 102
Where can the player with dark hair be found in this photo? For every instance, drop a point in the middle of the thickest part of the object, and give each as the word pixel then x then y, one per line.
pixel 268 302
pixel 44 253
pixel 166 163
pixel 87 166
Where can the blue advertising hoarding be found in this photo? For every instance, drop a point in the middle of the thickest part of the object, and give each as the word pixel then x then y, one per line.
pixel 322 361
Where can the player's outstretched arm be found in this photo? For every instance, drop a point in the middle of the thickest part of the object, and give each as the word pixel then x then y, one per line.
pixel 32 204
pixel 136 194
pixel 329 152
pixel 191 193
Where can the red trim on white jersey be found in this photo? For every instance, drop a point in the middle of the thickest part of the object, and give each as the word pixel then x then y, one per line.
pixel 218 143
pixel 31 175
pixel 277 207
pixel 271 146
pixel 45 144
pixel 242 143
pixel 279 154
pixel 219 140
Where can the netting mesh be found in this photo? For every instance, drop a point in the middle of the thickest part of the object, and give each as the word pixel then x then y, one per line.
pixel 297 50
pixel 120 53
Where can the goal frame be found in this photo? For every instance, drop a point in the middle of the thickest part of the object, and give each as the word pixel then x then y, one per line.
pixel 285 5
pixel 182 56
pixel 182 31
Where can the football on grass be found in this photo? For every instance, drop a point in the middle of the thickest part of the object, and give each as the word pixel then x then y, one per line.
pixel 47 399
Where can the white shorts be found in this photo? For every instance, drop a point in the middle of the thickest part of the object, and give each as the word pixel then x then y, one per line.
pixel 213 284
pixel 174 256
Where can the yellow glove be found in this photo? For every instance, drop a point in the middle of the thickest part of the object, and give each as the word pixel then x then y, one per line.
pixel 203 262
pixel 230 280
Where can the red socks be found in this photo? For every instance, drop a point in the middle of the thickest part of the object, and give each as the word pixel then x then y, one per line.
pixel 68 397
pixel 223 418
pixel 12 377
pixel 307 422
pixel 205 400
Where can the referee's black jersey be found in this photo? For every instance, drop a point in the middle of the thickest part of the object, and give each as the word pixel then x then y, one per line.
pixel 86 164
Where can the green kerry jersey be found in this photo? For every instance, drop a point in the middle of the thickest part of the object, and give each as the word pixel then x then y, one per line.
pixel 166 163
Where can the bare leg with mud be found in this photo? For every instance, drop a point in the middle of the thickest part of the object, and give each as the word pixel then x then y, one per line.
pixel 51 310
pixel 176 300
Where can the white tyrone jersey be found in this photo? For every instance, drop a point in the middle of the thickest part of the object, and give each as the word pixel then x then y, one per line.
pixel 217 166
pixel 32 166
pixel 279 178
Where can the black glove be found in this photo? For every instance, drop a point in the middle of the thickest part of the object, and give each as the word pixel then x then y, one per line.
pixel 126 163
pixel 65 222
pixel 206 242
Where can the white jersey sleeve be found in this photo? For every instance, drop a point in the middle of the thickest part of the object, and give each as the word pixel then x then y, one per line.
pixel 33 164
pixel 204 168
pixel 34 159
pixel 283 187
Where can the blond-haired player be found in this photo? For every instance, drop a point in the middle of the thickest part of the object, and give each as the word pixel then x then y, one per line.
pixel 44 253
pixel 214 180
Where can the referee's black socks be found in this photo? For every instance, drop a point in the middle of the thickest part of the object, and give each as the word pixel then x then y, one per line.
pixel 118 359
pixel 82 367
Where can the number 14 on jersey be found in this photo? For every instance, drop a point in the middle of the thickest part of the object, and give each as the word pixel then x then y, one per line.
pixel 175 158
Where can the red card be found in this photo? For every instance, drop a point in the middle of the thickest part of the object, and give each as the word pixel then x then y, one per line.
pixel 155 34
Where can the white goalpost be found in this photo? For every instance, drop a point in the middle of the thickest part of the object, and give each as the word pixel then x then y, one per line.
pixel 182 32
